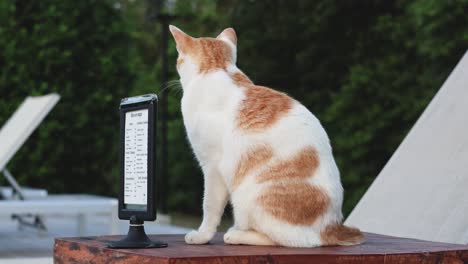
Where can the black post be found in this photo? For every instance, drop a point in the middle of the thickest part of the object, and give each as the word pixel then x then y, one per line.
pixel 164 19
pixel 155 12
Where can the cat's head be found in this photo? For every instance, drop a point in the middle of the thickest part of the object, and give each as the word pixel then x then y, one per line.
pixel 204 55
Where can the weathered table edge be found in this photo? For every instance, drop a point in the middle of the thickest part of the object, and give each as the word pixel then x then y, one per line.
pixel 73 252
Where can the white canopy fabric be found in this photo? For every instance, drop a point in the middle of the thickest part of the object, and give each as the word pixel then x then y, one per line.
pixel 422 192
pixel 22 123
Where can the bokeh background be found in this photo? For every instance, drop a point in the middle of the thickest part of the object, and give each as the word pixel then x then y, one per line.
pixel 366 69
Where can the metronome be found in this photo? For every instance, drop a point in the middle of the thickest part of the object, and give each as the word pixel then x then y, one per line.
pixel 137 165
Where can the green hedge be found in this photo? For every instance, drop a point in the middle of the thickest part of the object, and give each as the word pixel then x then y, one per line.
pixel 79 50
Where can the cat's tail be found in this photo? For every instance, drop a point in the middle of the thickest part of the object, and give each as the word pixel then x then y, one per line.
pixel 339 234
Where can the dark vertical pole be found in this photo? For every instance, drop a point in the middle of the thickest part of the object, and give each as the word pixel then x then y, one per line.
pixel 164 114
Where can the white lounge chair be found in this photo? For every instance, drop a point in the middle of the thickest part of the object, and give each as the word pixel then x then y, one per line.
pixel 422 192
pixel 37 202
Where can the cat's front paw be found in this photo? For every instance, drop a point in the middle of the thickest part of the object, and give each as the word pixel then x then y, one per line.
pixel 230 236
pixel 198 237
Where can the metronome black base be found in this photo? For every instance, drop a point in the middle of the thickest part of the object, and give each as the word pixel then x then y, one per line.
pixel 136 238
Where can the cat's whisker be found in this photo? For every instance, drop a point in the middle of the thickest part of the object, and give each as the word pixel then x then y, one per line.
pixel 176 90
pixel 164 87
pixel 171 81
pixel 169 84
pixel 179 92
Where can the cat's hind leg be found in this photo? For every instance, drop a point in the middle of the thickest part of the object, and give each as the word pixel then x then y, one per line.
pixel 250 237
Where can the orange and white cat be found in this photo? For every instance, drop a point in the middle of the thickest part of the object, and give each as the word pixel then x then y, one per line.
pixel 259 148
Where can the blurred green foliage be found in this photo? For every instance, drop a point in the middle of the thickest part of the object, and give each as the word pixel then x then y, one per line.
pixel 367 69
pixel 77 49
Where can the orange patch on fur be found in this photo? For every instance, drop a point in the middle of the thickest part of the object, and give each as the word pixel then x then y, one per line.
pixel 241 79
pixel 213 54
pixel 339 234
pixel 303 165
pixel 262 107
pixel 208 53
pixel 297 203
pixel 250 160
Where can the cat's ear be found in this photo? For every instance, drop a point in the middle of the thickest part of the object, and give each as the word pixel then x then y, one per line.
pixel 228 34
pixel 182 40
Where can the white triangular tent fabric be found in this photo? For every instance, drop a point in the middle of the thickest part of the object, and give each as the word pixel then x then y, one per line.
pixel 22 123
pixel 422 192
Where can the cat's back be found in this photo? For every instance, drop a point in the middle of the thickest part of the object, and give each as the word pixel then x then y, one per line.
pixel 277 116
